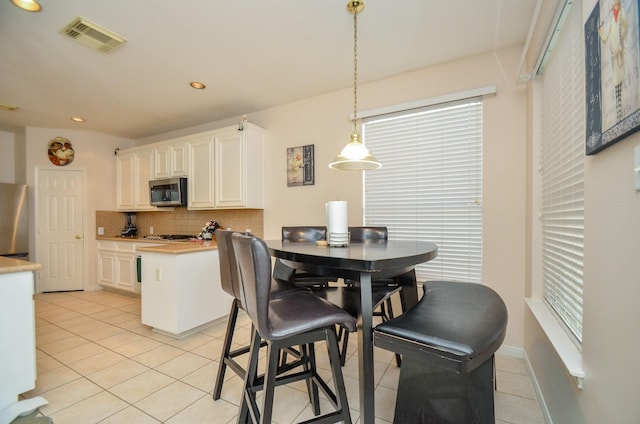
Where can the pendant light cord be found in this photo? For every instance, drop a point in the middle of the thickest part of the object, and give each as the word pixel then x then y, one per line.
pixel 355 70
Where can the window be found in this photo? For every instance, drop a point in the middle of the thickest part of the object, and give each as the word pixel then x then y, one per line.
pixel 562 151
pixel 430 183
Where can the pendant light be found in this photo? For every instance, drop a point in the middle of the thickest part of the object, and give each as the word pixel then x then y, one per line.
pixel 28 5
pixel 355 156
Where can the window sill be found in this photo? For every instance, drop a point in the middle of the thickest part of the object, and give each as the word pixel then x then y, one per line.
pixel 567 351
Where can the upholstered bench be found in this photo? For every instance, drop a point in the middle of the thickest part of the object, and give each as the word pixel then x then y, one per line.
pixel 447 342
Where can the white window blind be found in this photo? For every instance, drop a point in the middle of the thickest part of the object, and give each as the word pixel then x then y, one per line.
pixel 430 184
pixel 562 172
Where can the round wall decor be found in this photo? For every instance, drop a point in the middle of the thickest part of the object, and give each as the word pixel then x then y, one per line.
pixel 60 151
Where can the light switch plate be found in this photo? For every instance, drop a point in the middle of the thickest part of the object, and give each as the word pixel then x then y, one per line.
pixel 636 168
pixel 100 231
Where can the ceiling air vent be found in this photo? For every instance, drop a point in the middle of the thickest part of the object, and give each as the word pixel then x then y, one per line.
pixel 92 35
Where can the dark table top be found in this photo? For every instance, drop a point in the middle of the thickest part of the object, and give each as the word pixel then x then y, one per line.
pixel 358 256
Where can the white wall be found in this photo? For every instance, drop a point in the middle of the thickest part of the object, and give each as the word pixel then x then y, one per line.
pixel 8 157
pixel 611 296
pixel 94 155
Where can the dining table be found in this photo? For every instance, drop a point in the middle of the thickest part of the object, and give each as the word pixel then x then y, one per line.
pixel 362 262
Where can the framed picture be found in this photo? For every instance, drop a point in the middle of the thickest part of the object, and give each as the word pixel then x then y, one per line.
pixel 300 166
pixel 611 73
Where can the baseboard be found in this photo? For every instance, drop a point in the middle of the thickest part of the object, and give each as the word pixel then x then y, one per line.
pixel 536 387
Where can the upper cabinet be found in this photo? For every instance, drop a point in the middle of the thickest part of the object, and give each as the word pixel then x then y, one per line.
pixel 239 168
pixel 224 169
pixel 134 169
pixel 171 160
pixel 200 181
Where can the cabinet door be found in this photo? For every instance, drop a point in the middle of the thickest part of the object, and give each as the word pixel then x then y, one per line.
pixel 125 271
pixel 201 177
pixel 239 168
pixel 171 160
pixel 179 160
pixel 230 169
pixel 106 268
pixel 144 167
pixel 125 177
pixel 162 162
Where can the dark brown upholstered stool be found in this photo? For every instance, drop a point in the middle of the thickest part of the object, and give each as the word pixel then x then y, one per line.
pixel 300 318
pixel 229 281
pixel 447 342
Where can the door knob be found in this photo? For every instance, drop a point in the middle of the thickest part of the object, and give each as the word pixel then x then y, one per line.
pixel 78 236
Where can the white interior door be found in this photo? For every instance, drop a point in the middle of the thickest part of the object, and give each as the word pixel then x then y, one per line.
pixel 60 223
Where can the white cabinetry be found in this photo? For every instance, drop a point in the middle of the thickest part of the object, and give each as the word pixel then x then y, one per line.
pixel 239 168
pixel 227 169
pixel 17 332
pixel 134 169
pixel 171 160
pixel 224 169
pixel 200 182
pixel 117 266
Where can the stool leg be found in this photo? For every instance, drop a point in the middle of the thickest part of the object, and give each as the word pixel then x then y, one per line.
pixel 248 406
pixel 336 371
pixel 273 355
pixel 226 348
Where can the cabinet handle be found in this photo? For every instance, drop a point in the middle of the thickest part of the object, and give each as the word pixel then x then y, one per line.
pixel 78 236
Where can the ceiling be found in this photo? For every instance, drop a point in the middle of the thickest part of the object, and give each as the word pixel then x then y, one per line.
pixel 251 54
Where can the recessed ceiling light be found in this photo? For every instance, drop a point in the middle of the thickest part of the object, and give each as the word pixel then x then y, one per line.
pixel 28 5
pixel 197 85
pixel 77 119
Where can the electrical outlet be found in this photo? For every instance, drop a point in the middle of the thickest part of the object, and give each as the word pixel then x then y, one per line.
pixel 150 230
pixel 158 274
pixel 100 231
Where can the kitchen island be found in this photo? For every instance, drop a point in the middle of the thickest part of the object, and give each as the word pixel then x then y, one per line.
pixel 17 332
pixel 181 290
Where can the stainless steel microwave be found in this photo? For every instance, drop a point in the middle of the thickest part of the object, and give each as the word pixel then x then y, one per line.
pixel 168 192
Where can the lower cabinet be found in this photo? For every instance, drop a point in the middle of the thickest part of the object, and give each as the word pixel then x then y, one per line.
pixel 117 265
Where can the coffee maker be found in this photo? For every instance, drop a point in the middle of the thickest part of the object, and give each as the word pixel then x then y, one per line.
pixel 130 228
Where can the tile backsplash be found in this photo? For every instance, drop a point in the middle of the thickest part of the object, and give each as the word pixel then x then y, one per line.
pixel 181 221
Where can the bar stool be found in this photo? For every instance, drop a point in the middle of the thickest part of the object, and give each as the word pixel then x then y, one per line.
pixel 297 319
pixel 229 281
pixel 447 341
pixel 300 278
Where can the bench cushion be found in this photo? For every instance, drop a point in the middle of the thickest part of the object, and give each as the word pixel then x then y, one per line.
pixel 461 323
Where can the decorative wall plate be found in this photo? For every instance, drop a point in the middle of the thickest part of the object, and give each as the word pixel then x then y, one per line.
pixel 60 151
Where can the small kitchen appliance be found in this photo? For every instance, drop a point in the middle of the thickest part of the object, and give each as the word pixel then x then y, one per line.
pixel 130 228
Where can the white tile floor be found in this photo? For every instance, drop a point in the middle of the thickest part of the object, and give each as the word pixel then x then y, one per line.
pixel 98 364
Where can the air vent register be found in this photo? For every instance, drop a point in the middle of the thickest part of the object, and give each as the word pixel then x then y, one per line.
pixel 92 35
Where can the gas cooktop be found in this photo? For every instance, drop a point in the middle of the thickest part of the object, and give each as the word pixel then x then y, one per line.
pixel 169 237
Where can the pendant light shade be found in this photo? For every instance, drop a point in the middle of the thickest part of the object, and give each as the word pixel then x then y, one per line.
pixel 28 5
pixel 355 156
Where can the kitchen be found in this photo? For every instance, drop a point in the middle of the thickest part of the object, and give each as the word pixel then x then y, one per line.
pixel 321 120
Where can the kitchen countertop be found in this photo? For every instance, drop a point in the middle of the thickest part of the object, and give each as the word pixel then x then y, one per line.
pixel 11 265
pixel 176 248
pixel 141 239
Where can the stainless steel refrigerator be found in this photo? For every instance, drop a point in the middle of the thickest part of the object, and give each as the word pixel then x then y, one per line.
pixel 14 231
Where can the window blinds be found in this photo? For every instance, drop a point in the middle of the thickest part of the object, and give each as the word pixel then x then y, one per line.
pixel 430 184
pixel 562 169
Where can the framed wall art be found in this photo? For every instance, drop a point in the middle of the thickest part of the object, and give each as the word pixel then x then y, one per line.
pixel 611 73
pixel 60 151
pixel 300 166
